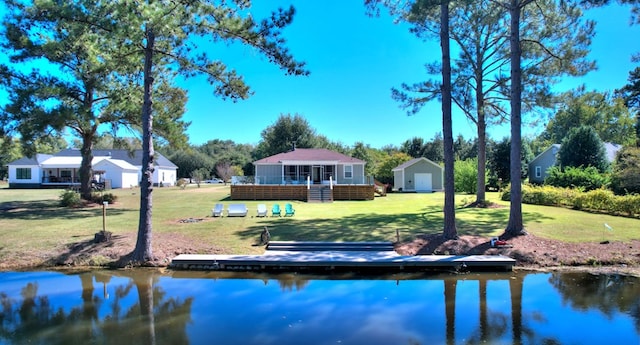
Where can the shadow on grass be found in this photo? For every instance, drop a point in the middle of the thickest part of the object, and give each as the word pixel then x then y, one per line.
pixel 49 209
pixel 83 250
pixel 383 227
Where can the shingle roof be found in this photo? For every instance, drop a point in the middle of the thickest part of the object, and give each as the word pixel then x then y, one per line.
pixel 117 162
pixel 307 155
pixel 39 158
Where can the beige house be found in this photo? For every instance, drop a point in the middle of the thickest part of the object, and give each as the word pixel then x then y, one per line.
pixel 418 175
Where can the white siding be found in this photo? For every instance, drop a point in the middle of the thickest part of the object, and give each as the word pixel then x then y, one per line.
pixel 164 176
pixel 36 176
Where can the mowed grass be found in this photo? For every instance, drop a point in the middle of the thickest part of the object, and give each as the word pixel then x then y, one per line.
pixel 33 220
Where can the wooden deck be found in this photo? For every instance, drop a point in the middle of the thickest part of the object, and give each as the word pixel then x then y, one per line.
pixel 328 256
pixel 299 192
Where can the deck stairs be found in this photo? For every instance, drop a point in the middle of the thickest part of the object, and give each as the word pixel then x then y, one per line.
pixel 321 193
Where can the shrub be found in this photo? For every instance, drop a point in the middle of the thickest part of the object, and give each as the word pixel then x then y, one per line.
pixel 584 178
pixel 182 183
pixel 595 200
pixel 69 198
pixel 100 198
pixel 599 200
pixel 626 173
pixel 628 205
pixel 465 175
pixel 505 195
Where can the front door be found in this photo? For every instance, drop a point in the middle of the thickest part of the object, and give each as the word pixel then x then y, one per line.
pixel 316 174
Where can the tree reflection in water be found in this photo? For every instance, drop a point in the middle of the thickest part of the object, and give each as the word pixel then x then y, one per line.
pixel 33 319
pixel 147 307
pixel 607 293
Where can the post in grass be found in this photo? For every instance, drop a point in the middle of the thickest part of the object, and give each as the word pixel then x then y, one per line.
pixel 607 227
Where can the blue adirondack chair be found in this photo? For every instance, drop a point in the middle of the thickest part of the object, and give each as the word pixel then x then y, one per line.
pixel 288 210
pixel 275 211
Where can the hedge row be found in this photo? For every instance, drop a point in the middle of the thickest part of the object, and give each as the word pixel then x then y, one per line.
pixel 599 200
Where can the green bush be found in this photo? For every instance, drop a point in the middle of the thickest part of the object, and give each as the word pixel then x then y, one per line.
pixel 182 183
pixel 542 195
pixel 100 198
pixel 595 200
pixel 505 194
pixel 628 204
pixel 69 198
pixel 625 178
pixel 465 175
pixel 599 200
pixel 584 178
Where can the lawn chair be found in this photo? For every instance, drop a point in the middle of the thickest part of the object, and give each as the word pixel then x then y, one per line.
pixel 217 210
pixel 276 211
pixel 262 210
pixel 236 210
pixel 288 210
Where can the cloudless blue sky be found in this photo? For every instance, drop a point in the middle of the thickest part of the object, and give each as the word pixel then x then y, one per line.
pixel 354 62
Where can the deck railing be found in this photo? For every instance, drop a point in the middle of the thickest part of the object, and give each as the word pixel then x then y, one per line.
pixel 271 180
pixel 61 180
pixel 298 192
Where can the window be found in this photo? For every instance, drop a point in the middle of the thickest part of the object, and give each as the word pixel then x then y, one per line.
pixel 290 173
pixel 305 170
pixel 23 173
pixel 348 171
pixel 328 173
pixel 538 171
pixel 65 176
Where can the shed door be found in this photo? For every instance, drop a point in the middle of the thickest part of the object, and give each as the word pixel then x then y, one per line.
pixel 423 182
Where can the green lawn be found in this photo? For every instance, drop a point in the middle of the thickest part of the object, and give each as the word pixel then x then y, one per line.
pixel 32 219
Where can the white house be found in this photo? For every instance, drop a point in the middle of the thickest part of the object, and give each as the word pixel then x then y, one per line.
pixel 121 168
pixel 120 173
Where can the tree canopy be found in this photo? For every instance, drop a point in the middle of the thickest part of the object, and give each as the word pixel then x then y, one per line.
pixel 66 74
pixel 608 116
pixel 287 133
pixel 582 147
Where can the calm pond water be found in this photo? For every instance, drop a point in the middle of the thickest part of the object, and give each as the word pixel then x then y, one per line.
pixel 149 307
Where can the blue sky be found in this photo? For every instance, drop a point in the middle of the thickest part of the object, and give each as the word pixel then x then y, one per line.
pixel 354 60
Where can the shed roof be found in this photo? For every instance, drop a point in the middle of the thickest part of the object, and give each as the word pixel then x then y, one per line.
pixel 412 162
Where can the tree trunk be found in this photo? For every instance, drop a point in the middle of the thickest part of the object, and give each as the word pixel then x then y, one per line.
pixel 482 142
pixel 484 320
pixel 515 289
pixel 450 287
pixel 85 167
pixel 515 226
pixel 144 285
pixel 450 231
pixel 143 252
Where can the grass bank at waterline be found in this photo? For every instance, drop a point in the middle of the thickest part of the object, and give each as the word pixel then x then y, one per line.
pixel 33 221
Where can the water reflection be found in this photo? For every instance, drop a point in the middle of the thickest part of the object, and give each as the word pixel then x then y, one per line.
pixel 147 307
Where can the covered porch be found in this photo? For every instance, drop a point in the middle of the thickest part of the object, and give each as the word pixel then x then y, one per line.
pixel 308 193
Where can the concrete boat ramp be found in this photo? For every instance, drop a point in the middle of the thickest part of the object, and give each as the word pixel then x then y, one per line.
pixel 328 256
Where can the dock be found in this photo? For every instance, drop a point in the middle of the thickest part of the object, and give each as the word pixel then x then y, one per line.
pixel 330 256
